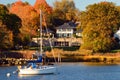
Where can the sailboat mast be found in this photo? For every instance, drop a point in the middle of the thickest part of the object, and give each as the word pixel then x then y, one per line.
pixel 40 31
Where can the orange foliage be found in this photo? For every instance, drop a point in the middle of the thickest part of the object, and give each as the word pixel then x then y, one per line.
pixel 27 13
pixel 30 14
pixel 46 9
pixel 42 4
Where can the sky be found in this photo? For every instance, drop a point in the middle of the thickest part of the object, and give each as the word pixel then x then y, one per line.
pixel 80 4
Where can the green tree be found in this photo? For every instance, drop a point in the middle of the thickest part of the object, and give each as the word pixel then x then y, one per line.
pixel 6 37
pixel 6 40
pixel 99 22
pixel 9 27
pixel 3 13
pixel 14 24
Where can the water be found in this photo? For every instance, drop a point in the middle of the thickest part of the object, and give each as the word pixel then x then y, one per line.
pixel 69 71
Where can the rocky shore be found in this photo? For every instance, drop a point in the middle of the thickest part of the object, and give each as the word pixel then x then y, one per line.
pixel 11 61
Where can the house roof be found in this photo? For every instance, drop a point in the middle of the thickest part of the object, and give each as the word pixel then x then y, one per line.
pixel 69 25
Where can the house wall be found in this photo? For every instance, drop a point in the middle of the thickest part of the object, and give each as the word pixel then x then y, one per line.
pixel 67 41
pixel 60 41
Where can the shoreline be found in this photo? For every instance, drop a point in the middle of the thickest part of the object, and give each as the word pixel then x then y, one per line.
pixel 20 57
pixel 93 59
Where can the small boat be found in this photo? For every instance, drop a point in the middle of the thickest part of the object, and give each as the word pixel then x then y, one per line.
pixel 35 67
pixel 37 70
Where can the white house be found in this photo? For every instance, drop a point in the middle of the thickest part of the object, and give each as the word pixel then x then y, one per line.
pixel 65 30
pixel 65 35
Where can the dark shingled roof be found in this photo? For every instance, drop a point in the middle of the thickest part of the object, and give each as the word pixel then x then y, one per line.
pixel 69 25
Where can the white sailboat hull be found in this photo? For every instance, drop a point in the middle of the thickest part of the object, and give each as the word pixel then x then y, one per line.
pixel 37 71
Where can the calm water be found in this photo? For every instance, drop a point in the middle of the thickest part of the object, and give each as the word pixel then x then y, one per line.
pixel 69 71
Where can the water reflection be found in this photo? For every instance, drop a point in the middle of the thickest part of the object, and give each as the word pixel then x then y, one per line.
pixel 100 63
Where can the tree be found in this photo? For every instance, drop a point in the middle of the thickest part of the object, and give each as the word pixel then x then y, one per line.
pixel 3 13
pixel 6 37
pixel 46 11
pixel 99 22
pixel 9 26
pixel 14 24
pixel 42 4
pixel 29 17
pixel 64 11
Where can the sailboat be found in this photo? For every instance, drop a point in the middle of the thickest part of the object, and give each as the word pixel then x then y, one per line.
pixel 33 68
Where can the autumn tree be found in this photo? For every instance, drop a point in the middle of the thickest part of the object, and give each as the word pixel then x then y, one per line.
pixel 42 4
pixel 27 14
pixel 29 17
pixel 64 11
pixel 46 11
pixel 99 22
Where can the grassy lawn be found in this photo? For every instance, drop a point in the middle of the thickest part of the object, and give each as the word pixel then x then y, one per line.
pixel 115 51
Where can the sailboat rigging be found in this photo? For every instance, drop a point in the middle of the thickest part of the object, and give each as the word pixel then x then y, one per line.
pixel 33 67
